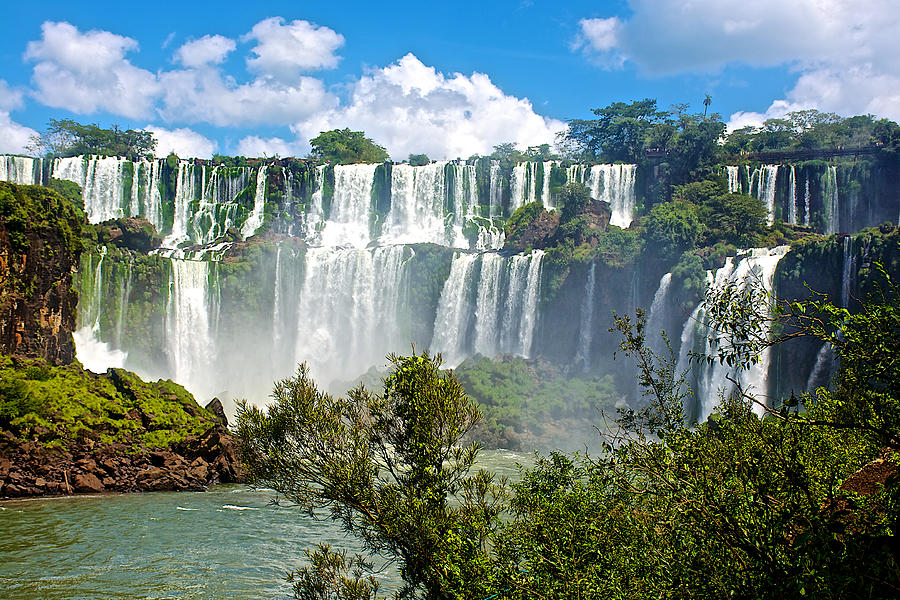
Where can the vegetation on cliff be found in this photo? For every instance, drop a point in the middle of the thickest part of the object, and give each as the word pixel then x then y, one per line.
pixel 799 502
pixel 61 405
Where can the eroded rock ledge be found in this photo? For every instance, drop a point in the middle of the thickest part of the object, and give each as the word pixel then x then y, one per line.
pixel 30 469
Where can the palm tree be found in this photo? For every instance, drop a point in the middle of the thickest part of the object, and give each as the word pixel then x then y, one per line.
pixel 706 102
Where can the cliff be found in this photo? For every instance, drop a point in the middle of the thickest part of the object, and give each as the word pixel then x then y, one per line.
pixel 64 429
pixel 40 242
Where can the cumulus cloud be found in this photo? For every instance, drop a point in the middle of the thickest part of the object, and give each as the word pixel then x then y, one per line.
pixel 844 53
pixel 13 136
pixel 412 108
pixel 254 145
pixel 88 72
pixel 208 50
pixel 205 95
pixel 283 51
pixel 183 141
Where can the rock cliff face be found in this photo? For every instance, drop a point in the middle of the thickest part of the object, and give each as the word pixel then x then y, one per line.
pixel 40 242
pixel 65 430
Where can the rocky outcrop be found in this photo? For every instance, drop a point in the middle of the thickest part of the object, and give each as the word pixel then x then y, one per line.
pixel 31 469
pixel 40 243
pixel 537 233
pixel 134 234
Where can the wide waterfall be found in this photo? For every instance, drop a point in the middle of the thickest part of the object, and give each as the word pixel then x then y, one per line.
pixel 611 183
pixel 20 169
pixel 708 381
pixel 488 306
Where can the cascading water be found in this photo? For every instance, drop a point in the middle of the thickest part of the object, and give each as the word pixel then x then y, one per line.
pixel 734 179
pixel 709 380
pixel 348 223
pixel 792 197
pixel 585 329
pixel 349 310
pixel 255 220
pixel 763 183
pixel 496 299
pixel 94 354
pixel 615 184
pixel 656 318
pixel 831 200
pixel 20 169
pixel 190 344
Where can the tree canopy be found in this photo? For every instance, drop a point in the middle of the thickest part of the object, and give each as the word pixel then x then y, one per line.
pixel 66 137
pixel 344 147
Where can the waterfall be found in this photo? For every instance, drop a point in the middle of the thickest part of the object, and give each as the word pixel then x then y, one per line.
pixel 417 205
pixel 615 184
pixel 496 300
pixel 20 169
pixel 190 346
pixel 255 220
pixel 453 318
pixel 124 297
pixel 823 368
pixel 94 354
pixel 585 329
pixel 831 200
pixel 348 315
pixel 545 192
pixel 734 180
pixel 315 217
pixel 765 178
pixel 184 195
pixel 496 191
pixel 758 267
pixel 792 197
pixel 806 202
pixel 518 187
pixel 348 223
pixel 656 318
pixel 847 272
pixel 287 176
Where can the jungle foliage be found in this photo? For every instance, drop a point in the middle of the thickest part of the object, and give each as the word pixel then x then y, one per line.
pixel 344 147
pixel 65 137
pixel 740 506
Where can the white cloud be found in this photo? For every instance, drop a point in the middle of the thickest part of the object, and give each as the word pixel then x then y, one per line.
pixel 254 145
pixel 183 141
pixel 844 52
pixel 205 95
pixel 88 72
pixel 13 136
pixel 210 49
pixel 411 108
pixel 283 51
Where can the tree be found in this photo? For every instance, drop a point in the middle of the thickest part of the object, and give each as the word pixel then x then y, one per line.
pixel 671 228
pixel 507 151
pixel 620 131
pixel 389 467
pixel 343 147
pixel 707 100
pixel 418 160
pixel 574 198
pixel 69 138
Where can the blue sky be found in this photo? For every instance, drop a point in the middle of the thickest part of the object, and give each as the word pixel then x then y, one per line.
pixel 449 79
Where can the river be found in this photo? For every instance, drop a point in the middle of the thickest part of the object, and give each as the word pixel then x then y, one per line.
pixel 228 542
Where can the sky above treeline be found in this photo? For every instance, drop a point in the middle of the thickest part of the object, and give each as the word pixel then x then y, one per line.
pixel 448 79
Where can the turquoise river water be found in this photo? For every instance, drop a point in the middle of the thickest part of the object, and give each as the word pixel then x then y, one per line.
pixel 228 542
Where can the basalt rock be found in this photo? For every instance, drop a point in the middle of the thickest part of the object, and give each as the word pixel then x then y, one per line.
pixel 40 243
pixel 30 469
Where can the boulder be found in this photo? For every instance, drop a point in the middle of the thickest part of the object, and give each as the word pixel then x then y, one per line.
pixel 215 407
pixel 87 483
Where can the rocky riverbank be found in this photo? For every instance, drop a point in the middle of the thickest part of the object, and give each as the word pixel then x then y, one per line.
pixel 30 469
